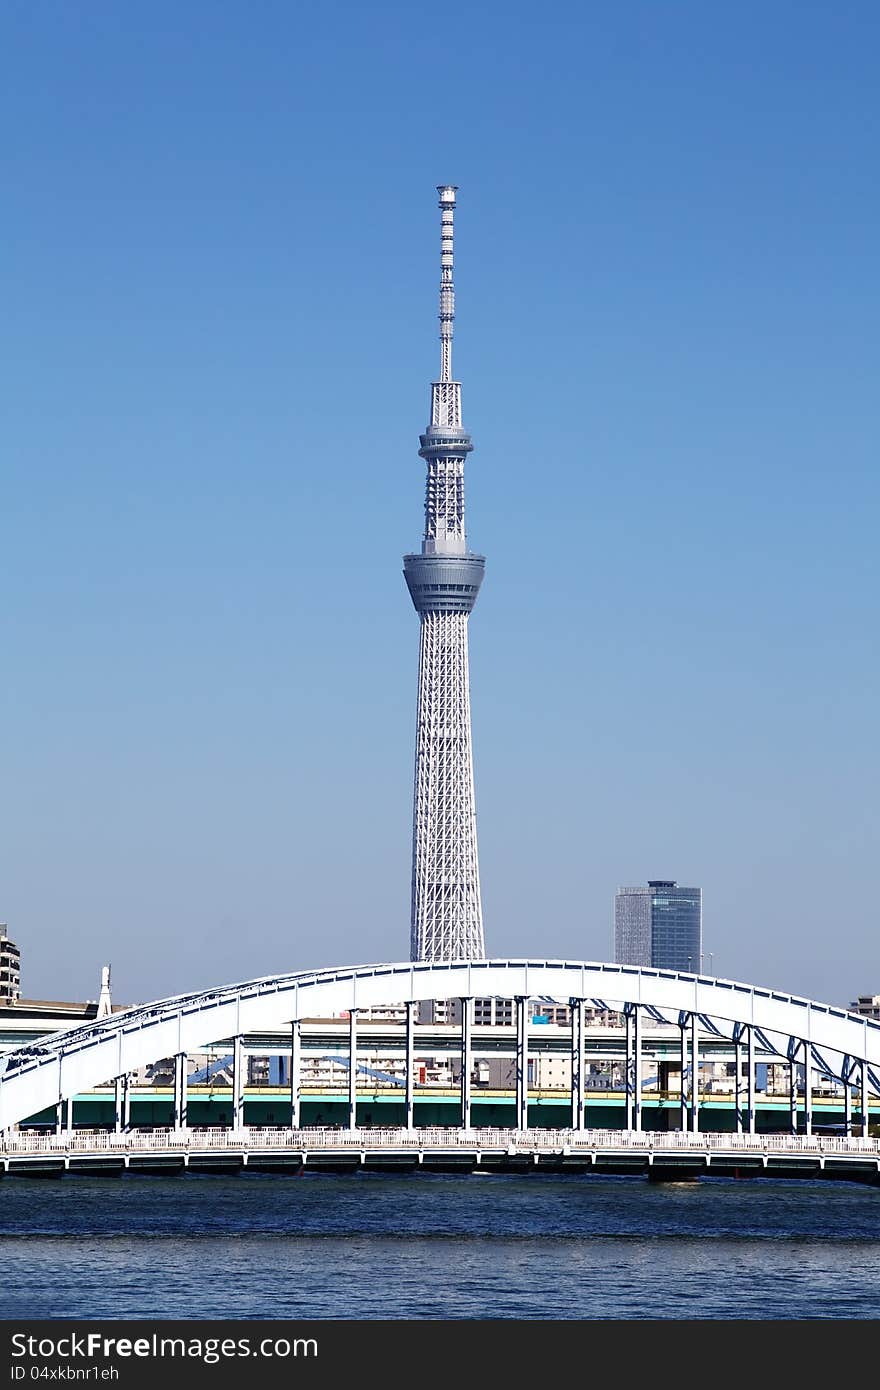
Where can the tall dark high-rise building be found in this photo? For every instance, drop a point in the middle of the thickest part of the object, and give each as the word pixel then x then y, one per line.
pixel 660 926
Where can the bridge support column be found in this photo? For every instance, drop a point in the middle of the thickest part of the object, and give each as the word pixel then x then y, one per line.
pixel 467 1062
pixel 117 1105
pixel 627 1067
pixel 637 1068
pixel 522 1062
pixel 792 1086
pixel 578 1097
pixel 695 1076
pixel 295 1071
pixel 847 1099
pixel 180 1089
pixel 410 1065
pixel 808 1090
pixel 352 1069
pixel 65 1108
pixel 737 1083
pixel 126 1102
pixel 866 1114
pixel 750 1086
pixel 683 1104
pixel 237 1083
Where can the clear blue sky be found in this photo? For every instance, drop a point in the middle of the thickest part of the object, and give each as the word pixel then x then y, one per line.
pixel 220 265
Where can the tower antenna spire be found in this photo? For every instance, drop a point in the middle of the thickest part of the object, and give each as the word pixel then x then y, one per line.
pixel 447 193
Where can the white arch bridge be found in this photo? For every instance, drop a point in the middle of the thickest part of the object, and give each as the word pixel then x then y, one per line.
pixel 820 1039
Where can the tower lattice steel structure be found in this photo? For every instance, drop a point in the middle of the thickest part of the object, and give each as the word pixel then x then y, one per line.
pixel 443 581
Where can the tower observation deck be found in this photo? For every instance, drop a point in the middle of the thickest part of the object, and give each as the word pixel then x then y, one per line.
pixel 443 581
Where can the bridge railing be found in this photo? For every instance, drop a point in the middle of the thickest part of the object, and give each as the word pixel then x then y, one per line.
pixel 98 1142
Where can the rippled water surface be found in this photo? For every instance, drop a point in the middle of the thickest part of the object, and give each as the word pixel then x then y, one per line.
pixel 430 1246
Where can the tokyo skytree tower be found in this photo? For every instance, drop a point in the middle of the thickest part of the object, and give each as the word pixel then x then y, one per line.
pixel 443 581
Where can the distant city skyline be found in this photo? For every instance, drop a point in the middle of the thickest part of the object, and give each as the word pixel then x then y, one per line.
pixel 220 264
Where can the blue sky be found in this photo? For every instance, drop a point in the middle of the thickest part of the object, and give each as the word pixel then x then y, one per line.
pixel 220 262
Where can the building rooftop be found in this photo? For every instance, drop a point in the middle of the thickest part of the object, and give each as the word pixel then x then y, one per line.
pixel 53 1008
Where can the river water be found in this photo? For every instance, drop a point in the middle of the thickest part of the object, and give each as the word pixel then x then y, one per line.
pixel 377 1246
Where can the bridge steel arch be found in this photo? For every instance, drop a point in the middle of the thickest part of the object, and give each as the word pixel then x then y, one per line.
pixel 44 1074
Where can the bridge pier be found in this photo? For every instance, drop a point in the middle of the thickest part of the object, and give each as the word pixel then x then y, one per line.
pixel 751 1080
pixel 864 1102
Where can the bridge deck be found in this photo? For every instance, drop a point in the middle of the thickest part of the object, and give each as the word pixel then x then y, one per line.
pixel 659 1155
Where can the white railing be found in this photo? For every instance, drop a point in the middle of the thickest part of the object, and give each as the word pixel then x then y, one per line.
pixel 252 1139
